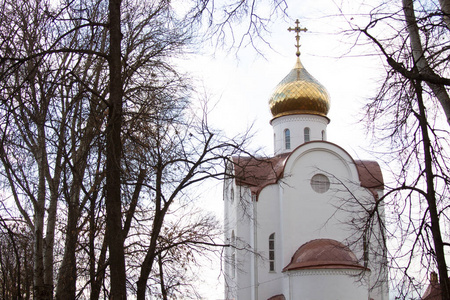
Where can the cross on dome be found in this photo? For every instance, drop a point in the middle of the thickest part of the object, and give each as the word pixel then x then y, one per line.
pixel 297 29
pixel 299 93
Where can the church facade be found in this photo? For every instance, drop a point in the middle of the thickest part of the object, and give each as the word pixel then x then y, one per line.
pixel 295 221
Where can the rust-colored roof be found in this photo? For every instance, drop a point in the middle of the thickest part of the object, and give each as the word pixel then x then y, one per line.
pixel 323 254
pixel 277 297
pixel 370 174
pixel 259 172
pixel 433 291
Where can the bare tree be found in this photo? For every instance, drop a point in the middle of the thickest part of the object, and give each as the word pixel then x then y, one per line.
pixel 413 38
pixel 16 267
pixel 88 92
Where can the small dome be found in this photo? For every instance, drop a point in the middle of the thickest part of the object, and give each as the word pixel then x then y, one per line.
pixel 323 254
pixel 299 93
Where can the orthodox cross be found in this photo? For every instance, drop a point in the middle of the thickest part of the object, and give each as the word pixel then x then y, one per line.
pixel 297 29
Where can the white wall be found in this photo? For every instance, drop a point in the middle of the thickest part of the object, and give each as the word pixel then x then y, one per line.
pixel 270 282
pixel 326 284
pixel 309 215
pixel 297 214
pixel 296 124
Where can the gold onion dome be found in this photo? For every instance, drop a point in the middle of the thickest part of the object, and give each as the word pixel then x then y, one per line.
pixel 299 93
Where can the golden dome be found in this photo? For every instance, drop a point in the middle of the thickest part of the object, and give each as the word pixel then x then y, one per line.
pixel 299 93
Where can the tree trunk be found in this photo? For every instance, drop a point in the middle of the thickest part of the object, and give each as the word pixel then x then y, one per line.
pixel 113 157
pixel 161 277
pixel 445 8
pixel 96 277
pixel 66 288
pixel 419 57
pixel 50 239
pixel 92 230
pixel 42 290
pixel 160 211
pixel 431 198
pixel 51 224
pixel 100 276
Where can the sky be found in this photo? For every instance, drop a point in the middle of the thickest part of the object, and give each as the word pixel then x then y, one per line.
pixel 240 84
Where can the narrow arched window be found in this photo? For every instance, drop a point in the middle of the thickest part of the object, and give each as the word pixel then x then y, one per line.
pixel 272 252
pixel 323 135
pixel 306 134
pixel 287 139
pixel 232 194
pixel 233 254
pixel 365 250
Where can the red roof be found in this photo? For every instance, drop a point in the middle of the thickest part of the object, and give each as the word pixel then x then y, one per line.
pixel 323 254
pixel 258 172
pixel 277 297
pixel 369 174
pixel 433 291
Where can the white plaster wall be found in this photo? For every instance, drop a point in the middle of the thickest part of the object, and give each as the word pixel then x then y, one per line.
pixel 229 225
pixel 296 214
pixel 326 284
pixel 296 125
pixel 378 259
pixel 269 282
pixel 237 218
pixel 244 237
pixel 309 215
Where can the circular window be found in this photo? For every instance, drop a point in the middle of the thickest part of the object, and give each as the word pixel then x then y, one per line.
pixel 320 183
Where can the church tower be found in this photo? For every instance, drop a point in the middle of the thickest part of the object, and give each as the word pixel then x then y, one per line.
pixel 299 107
pixel 295 221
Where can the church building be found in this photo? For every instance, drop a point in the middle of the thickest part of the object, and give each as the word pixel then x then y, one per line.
pixel 297 221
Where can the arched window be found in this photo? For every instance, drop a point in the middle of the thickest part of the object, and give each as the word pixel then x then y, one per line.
pixel 287 139
pixel 306 134
pixel 272 252
pixel 232 194
pixel 366 250
pixel 323 135
pixel 233 255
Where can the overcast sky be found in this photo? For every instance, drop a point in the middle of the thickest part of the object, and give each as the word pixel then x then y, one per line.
pixel 241 85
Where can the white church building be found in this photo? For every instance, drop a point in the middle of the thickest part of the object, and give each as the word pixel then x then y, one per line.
pixel 296 221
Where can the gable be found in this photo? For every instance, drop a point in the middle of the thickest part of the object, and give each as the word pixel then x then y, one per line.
pixel 258 172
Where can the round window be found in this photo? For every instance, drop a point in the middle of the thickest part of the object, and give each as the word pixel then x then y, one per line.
pixel 320 183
